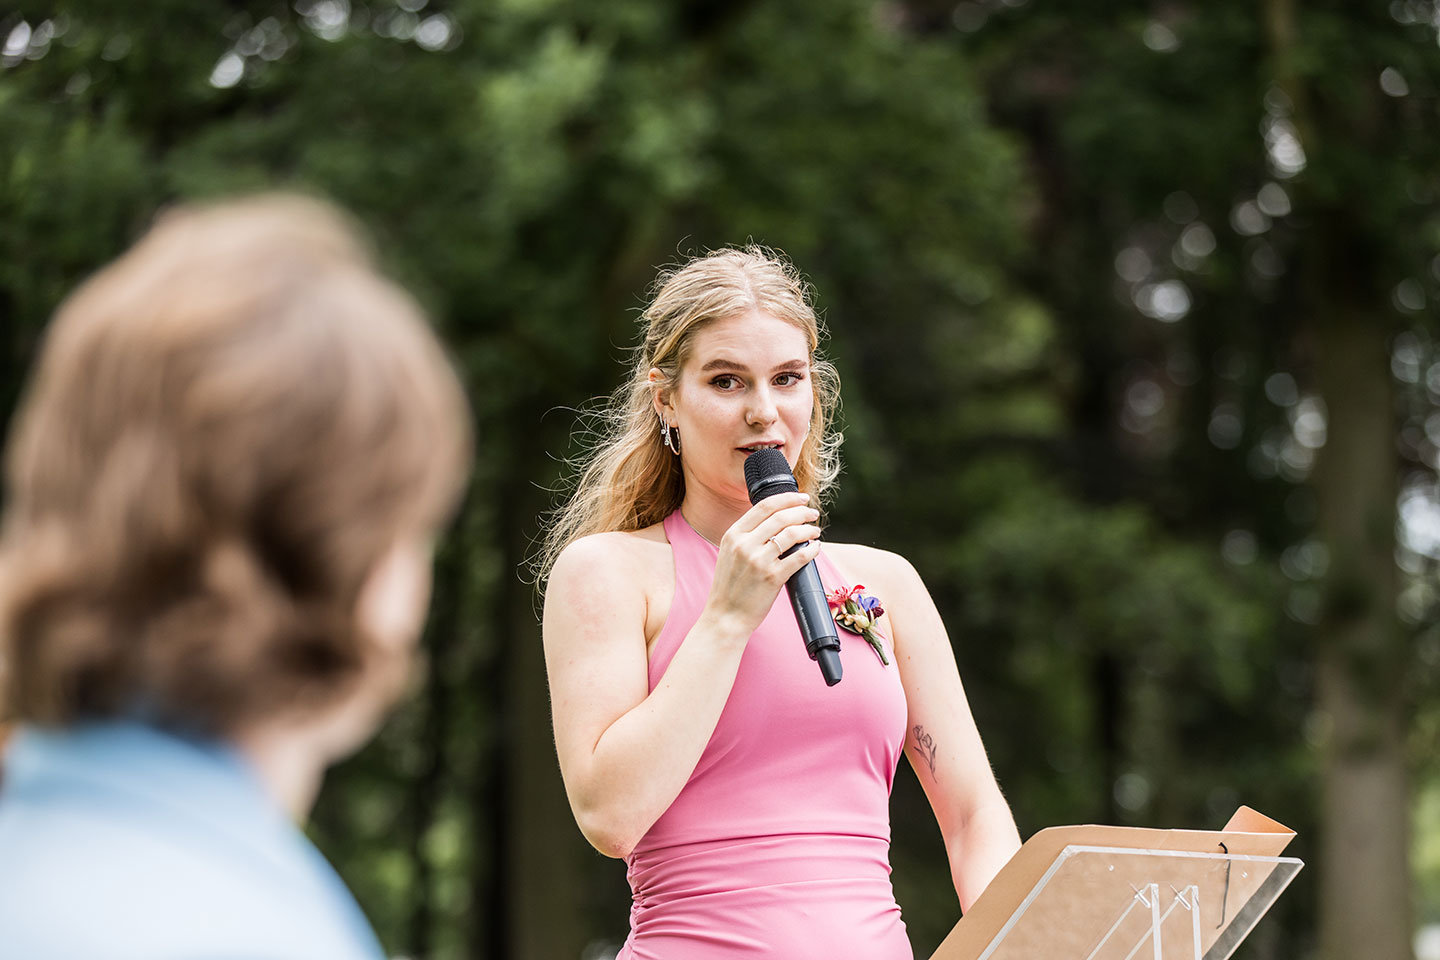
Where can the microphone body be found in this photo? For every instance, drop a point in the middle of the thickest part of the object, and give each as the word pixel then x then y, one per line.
pixel 766 474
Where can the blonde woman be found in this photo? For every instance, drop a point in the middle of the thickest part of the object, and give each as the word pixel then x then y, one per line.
pixel 696 738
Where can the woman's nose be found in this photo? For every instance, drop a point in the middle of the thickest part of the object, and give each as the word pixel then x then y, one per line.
pixel 761 410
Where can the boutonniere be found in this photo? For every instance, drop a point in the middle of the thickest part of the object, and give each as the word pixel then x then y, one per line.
pixel 858 612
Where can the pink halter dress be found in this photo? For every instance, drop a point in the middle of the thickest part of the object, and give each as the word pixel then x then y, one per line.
pixel 778 847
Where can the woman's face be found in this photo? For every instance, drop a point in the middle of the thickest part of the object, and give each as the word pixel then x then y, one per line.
pixel 745 384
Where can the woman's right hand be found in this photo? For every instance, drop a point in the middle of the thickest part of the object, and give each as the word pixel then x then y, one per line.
pixel 750 571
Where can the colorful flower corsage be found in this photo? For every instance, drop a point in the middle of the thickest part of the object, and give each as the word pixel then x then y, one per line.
pixel 858 612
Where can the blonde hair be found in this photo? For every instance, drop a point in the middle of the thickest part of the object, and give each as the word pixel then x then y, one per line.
pixel 629 480
pixel 226 429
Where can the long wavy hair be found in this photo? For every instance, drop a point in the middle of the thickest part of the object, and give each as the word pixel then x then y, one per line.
pixel 628 480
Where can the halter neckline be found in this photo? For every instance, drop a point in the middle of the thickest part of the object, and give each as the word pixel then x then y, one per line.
pixel 694 531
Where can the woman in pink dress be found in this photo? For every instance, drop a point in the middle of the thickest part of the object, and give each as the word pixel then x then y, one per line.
pixel 697 739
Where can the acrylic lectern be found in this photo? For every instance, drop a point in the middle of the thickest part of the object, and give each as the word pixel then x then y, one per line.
pixel 1123 893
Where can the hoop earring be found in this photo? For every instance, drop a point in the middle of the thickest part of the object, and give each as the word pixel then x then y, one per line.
pixel 671 443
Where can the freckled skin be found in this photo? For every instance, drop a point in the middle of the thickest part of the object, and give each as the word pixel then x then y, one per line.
pixel 747 379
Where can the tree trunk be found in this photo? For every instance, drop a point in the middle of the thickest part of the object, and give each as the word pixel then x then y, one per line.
pixel 1365 883
pixel 427 786
pixel 547 854
pixel 1365 908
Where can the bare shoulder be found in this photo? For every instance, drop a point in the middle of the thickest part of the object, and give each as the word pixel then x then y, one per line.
pixel 911 618
pixel 877 568
pixel 610 557
pixel 893 580
pixel 615 569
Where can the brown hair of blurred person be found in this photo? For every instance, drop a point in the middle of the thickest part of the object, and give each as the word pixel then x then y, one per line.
pixel 228 429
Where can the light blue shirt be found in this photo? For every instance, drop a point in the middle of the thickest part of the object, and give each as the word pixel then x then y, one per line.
pixel 121 842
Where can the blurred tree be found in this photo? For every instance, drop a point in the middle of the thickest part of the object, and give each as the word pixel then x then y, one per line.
pixel 1260 394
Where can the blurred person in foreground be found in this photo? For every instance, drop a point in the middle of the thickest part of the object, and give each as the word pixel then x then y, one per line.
pixel 696 737
pixel 222 487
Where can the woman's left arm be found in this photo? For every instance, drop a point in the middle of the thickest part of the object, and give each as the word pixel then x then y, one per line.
pixel 942 741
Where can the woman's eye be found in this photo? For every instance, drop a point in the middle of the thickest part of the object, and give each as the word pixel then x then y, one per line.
pixel 724 381
pixel 788 379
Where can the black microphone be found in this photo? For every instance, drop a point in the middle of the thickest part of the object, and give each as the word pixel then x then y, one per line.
pixel 766 474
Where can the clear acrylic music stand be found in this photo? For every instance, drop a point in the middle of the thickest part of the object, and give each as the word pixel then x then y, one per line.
pixel 1109 903
pixel 1126 893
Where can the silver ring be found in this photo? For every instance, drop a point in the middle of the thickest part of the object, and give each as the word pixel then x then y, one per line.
pixel 771 540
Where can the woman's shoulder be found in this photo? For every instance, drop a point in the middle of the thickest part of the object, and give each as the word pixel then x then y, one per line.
pixel 866 560
pixel 612 555
pixel 617 570
pixel 884 573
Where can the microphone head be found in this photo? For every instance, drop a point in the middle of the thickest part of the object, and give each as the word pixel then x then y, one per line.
pixel 767 473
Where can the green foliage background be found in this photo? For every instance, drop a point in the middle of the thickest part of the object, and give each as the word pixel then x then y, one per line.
pixel 1060 286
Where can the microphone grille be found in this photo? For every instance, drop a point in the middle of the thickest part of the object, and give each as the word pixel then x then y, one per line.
pixel 767 473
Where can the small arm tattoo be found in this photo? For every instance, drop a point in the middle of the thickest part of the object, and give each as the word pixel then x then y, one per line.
pixel 925 746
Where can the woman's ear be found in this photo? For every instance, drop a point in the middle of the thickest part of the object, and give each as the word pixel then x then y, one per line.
pixel 660 395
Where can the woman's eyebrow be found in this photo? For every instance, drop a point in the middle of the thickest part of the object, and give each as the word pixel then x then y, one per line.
pixel 725 363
